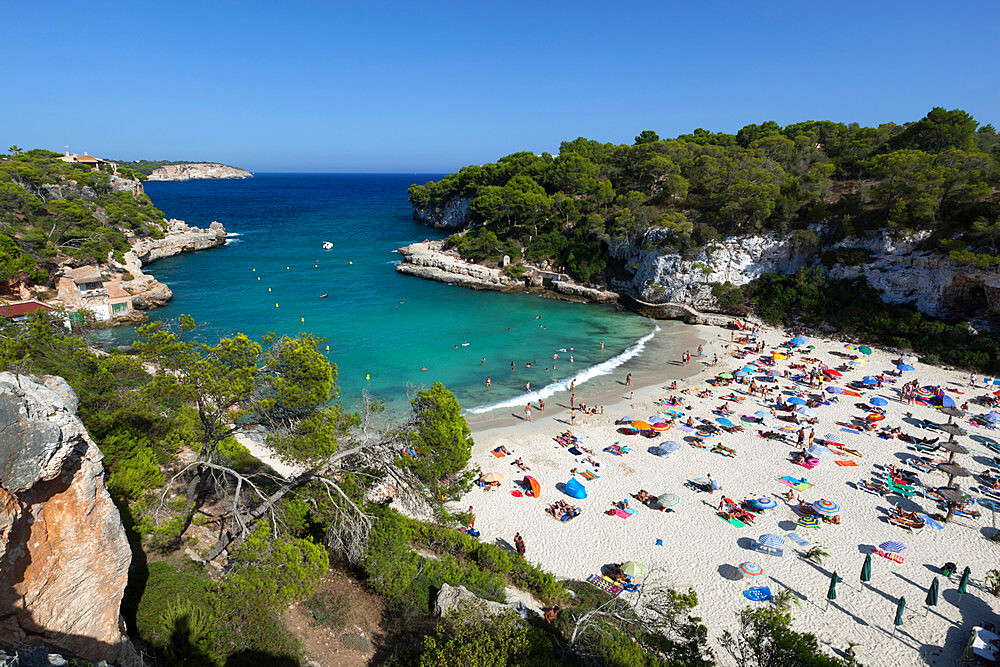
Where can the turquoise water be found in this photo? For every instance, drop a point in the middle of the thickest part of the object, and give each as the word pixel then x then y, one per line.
pixel 382 328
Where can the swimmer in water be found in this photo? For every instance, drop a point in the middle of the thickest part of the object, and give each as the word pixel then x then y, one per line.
pixel 482 362
pixel 527 387
pixel 423 368
pixel 602 344
pixel 488 382
pixel 512 367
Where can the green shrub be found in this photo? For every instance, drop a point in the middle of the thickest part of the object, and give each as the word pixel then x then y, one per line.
pixel 168 585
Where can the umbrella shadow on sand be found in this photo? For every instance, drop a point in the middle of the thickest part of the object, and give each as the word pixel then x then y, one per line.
pixel 787 525
pixel 746 543
pixel 730 572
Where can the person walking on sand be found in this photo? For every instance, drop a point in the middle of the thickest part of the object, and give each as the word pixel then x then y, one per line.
pixel 572 417
pixel 519 543
pixel 701 350
pixel 472 518
pixel 628 380
pixel 527 412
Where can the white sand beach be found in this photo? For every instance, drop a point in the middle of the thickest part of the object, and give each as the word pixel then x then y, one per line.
pixel 701 550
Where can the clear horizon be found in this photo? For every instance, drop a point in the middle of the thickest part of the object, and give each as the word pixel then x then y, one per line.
pixel 399 88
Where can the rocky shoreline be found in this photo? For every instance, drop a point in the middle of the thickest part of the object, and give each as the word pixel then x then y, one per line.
pixel 196 171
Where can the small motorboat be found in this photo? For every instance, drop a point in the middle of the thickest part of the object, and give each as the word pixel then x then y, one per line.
pixel 327 245
pixel 323 296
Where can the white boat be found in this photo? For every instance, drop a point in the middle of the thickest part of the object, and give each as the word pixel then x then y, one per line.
pixel 327 245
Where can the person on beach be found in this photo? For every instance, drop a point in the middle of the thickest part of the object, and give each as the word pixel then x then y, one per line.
pixel 519 543
pixel 572 384
pixel 552 614
pixel 572 416
pixel 541 405
pixel 713 486
pixel 472 518
pixel 527 412
pixel 701 350
pixel 482 362
pixel 572 400
pixel 527 387
pixel 628 380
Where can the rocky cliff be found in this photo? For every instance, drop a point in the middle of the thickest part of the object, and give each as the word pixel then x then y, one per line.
pixel 429 260
pixel 199 170
pixel 453 214
pixel 64 557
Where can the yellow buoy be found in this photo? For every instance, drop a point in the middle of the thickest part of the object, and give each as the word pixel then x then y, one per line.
pixel 303 319
pixel 258 277
pixel 288 267
pixel 268 289
pixel 275 305
pixel 350 262
pixel 368 376
pixel 327 348
pixel 253 269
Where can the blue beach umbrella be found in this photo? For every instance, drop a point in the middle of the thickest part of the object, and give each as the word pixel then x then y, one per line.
pixel 992 417
pixel 947 401
pixel 834 390
pixel 869 381
pixel 905 367
pixel 763 414
pixel 771 540
pixel 764 503
pixel 819 450
pixel 742 374
pixel 808 412
pixel 892 546
pixel 879 402
pixel 725 422
pixel 670 446
pixel 796 400
pixel 798 340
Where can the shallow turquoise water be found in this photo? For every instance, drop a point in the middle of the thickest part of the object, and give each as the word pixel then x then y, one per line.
pixel 382 328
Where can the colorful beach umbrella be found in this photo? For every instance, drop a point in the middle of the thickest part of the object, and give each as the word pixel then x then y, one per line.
pixel 764 503
pixel 892 546
pixel 703 433
pixel 963 583
pixel 669 499
pixel 824 506
pixel 831 593
pixel 808 522
pixel 819 450
pixel 833 438
pixel 751 570
pixel 536 488
pixel 661 426
pixel 796 400
pixel 641 425
pixel 932 593
pixel 634 569
pixel 904 367
pixel 866 570
pixel 771 540
pixel 878 401
pixel 900 608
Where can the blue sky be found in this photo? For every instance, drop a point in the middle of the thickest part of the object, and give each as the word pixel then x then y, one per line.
pixel 425 86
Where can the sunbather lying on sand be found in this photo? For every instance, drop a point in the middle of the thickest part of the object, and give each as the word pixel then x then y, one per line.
pixel 520 464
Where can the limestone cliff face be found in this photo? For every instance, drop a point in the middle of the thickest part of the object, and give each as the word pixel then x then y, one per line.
pixel 64 556
pixel 453 214
pixel 194 171
pixel 429 260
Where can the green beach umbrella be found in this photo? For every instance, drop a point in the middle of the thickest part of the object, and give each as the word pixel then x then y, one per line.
pixel 831 593
pixel 963 583
pixel 900 608
pixel 932 594
pixel 634 569
pixel 866 570
pixel 864 349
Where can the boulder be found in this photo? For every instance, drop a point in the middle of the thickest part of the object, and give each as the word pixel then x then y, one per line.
pixel 450 598
pixel 64 557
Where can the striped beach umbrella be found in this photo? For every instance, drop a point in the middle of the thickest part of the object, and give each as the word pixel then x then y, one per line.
pixel 824 506
pixel 808 522
pixel 751 570
pixel 928 390
pixel 819 450
pixel 670 446
pixel 669 499
pixel 764 503
pixel 833 439
pixel 771 540
pixel 703 433
pixel 892 546
pixel 661 426
pixel 832 372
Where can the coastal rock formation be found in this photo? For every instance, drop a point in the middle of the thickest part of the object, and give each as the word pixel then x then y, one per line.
pixel 64 557
pixel 450 598
pixel 179 237
pixel 430 260
pixel 453 214
pixel 198 170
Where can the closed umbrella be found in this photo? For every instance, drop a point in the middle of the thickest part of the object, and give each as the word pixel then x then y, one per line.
pixel 831 593
pixel 900 608
pixel 771 540
pixel 634 569
pixel 864 349
pixel 878 401
pixel 963 583
pixel 751 570
pixel 764 503
pixel 669 499
pixel 932 594
pixel 866 570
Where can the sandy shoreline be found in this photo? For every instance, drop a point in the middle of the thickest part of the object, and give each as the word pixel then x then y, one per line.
pixel 700 550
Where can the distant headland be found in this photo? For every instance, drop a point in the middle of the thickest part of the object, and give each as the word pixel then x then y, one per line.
pixel 182 170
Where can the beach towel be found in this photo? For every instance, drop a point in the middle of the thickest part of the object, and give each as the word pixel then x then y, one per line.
pixel 497 454
pixel 622 513
pixel 930 522
pixel 685 428
pixel 574 451
pixel 735 522
pixel 588 475
pixel 846 464
pixel 794 483
pixel 517 494
pixel 850 430
pixel 758 594
pixel 604 584
pixel 795 537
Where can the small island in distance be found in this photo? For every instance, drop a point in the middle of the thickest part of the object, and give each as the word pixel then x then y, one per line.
pixel 183 170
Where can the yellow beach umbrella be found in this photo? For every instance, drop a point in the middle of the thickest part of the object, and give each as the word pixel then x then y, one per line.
pixel 778 355
pixel 641 425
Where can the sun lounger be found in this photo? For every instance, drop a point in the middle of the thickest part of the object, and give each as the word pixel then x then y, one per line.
pixel 908 524
pixel 795 537
pixel 918 465
pixel 770 551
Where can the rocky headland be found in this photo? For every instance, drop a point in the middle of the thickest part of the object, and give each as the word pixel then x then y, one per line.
pixel 197 170
pixel 64 556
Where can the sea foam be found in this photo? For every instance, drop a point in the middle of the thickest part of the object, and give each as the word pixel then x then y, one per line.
pixel 603 368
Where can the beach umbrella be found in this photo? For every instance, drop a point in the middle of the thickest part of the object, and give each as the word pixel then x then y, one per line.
pixel 634 569
pixel 726 376
pixel 947 401
pixel 798 340
pixel 751 570
pixel 905 367
pixel 953 470
pixel 932 593
pixel 493 477
pixel 951 429
pixel 819 450
pixel 954 412
pixel 892 546
pixel 742 374
pixel 808 522
pixel 833 372
pixel 866 570
pixel 963 583
pixel 536 488
pixel 991 417
pixel 796 400
pixel 874 417
pixel 625 420
pixel 641 425
pixel 669 499
pixel 831 593
pixel 827 507
pixel 661 426
pixel 878 401
pixel 764 503
pixel 725 422
pixel 808 412
pixel 763 414
pixel 900 608
pixel 926 392
pixel 703 433
pixel 833 438
pixel 771 540
pixel 778 355
pixel 869 381
pixel 670 446
pixel 834 390
pixel 864 349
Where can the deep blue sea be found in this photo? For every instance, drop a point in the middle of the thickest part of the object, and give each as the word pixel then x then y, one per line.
pixel 383 329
